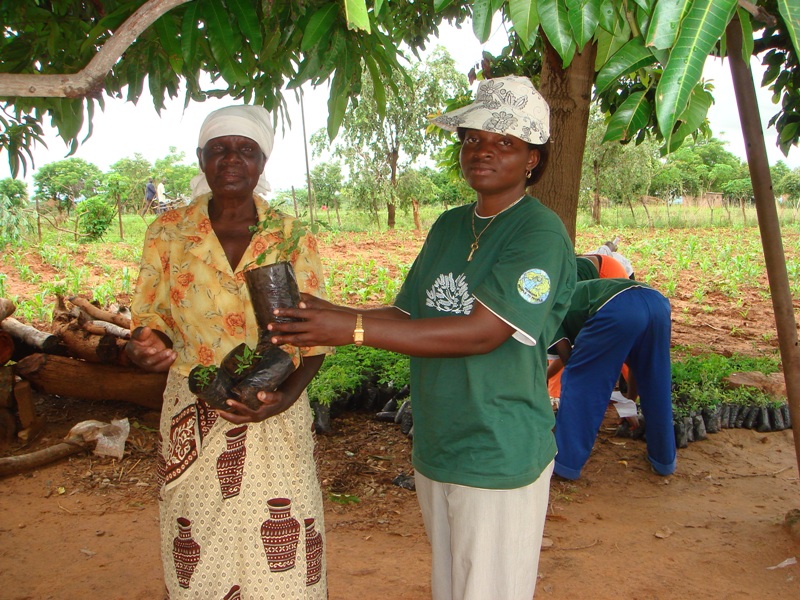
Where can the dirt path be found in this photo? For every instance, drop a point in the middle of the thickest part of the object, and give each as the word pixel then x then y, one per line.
pixel 73 530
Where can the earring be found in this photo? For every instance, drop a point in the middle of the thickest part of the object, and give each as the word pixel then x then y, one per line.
pixel 528 174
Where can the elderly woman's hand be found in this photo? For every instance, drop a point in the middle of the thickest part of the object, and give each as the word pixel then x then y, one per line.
pixel 150 349
pixel 272 403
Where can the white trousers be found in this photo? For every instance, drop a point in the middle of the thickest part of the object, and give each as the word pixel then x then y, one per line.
pixel 485 543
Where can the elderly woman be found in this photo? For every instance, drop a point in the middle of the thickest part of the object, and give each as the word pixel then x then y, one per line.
pixel 241 507
pixel 481 301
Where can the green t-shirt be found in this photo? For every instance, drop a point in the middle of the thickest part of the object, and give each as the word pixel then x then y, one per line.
pixel 486 420
pixel 589 297
pixel 585 269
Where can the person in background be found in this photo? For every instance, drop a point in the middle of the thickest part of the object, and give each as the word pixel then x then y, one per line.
pixel 162 196
pixel 589 266
pixel 191 307
pixel 149 195
pixel 611 321
pixel 482 299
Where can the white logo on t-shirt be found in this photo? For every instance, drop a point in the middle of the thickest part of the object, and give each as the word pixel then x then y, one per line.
pixel 450 295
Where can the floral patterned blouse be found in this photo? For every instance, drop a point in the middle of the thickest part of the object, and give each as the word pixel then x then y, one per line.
pixel 187 290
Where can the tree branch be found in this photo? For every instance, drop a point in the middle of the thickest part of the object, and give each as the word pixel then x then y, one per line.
pixel 759 13
pixel 89 80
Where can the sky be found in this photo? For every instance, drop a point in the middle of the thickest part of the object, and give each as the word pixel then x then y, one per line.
pixel 123 129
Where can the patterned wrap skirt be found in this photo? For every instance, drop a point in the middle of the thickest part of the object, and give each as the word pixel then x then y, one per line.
pixel 241 505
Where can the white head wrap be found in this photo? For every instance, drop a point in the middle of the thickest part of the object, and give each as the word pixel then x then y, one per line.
pixel 253 122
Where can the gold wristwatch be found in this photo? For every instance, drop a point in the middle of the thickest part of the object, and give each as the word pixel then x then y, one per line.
pixel 358 332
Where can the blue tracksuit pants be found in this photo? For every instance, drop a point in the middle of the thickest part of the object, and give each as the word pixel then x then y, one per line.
pixel 633 327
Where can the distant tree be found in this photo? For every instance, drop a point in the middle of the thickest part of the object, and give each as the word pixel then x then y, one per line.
pixel 413 186
pixel 386 128
pixel 739 191
pixel 131 175
pixel 65 182
pixel 790 184
pixel 14 221
pixel 175 174
pixel 326 183
pixel 777 172
pixel 453 190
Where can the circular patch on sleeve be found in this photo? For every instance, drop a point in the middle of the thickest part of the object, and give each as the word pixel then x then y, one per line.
pixel 534 286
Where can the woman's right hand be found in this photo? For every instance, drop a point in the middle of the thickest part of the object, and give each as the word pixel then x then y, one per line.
pixel 149 350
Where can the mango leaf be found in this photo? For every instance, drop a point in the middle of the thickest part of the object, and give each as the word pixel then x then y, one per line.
pixel 168 37
pixel 378 6
pixel 439 5
pixel 644 4
pixel 608 15
pixel 555 24
pixel 525 19
pixel 692 118
pixel 357 17
pixel 246 17
pixel 378 89
pixel 583 15
pixel 609 43
pixel 482 12
pixel 319 26
pixel 747 34
pixel 190 32
pixel 790 11
pixel 664 23
pixel 627 59
pixel 224 42
pixel 700 30
pixel 631 116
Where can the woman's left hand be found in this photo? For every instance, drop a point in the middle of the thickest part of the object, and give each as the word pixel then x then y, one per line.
pixel 272 403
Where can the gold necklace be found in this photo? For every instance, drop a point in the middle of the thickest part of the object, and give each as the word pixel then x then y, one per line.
pixel 474 245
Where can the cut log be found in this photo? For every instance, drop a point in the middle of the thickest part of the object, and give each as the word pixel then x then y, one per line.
pixel 105 328
pixel 8 427
pixel 25 335
pixel 7 308
pixel 105 349
pixel 25 404
pixel 6 387
pixel 6 347
pixel 75 378
pixel 100 314
pixel 19 464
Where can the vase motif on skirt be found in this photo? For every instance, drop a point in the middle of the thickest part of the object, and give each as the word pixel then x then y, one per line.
pixel 233 594
pixel 313 553
pixel 280 534
pixel 230 464
pixel 185 552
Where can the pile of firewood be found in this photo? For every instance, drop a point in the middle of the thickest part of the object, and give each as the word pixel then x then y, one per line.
pixel 82 357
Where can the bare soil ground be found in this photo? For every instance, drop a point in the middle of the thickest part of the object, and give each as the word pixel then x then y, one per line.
pixel 87 526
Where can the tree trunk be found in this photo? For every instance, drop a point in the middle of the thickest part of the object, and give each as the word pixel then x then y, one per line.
pixel 596 204
pixel 569 93
pixel 415 210
pixel 75 378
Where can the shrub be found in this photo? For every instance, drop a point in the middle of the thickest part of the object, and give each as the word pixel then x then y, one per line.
pixel 95 217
